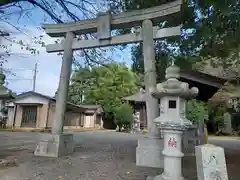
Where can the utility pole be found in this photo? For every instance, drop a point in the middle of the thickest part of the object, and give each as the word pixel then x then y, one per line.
pixel 34 77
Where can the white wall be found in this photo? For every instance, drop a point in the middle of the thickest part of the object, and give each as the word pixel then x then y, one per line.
pixel 10 120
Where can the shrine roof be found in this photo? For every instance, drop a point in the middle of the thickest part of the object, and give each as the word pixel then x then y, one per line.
pixel 207 84
pixel 137 97
pixel 202 78
pixel 227 92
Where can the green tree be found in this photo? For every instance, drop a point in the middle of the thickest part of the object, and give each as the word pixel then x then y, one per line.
pixel 196 111
pixel 105 85
pixel 210 28
pixel 124 116
pixel 216 116
pixel 162 60
pixel 80 82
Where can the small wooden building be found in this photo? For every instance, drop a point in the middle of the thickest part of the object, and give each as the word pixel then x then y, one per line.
pixel 207 84
pixel 35 110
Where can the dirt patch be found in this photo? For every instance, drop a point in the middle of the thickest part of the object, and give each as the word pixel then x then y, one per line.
pixel 233 164
pixel 8 152
pixel 9 156
pixel 5 163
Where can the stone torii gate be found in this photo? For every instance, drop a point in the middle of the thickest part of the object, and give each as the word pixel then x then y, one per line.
pixel 57 143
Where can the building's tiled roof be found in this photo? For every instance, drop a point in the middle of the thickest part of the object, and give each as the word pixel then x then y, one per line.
pixel 138 97
pixel 89 106
pixel 206 76
pixel 224 73
pixel 54 99
pixel 227 92
pixel 28 93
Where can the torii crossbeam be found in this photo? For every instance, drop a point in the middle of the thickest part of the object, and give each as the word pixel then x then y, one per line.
pixel 103 24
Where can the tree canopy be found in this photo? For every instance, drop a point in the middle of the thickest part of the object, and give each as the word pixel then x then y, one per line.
pixel 104 85
pixel 210 28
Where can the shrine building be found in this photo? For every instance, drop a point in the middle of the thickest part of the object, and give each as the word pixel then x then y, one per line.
pixel 207 84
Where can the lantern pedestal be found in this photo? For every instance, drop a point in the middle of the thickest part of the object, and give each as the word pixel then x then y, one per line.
pixel 172 153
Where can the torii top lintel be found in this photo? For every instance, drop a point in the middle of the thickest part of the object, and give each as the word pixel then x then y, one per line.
pixel 123 20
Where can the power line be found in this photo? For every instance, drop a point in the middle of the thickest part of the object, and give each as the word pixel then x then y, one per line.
pixel 16 79
pixel 29 79
pixel 34 78
pixel 18 69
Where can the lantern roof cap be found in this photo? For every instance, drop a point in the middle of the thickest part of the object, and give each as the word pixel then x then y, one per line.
pixel 173 86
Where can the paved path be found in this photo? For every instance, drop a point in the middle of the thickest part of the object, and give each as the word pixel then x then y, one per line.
pixel 98 156
pixel 230 144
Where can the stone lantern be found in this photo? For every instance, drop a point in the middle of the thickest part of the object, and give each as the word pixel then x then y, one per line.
pixel 172 120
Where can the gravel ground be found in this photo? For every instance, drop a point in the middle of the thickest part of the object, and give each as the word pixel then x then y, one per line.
pixel 98 156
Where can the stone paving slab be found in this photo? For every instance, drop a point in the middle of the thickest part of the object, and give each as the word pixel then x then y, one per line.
pixel 97 156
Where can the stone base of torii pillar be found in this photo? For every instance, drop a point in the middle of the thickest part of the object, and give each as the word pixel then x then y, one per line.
pixel 149 152
pixel 55 145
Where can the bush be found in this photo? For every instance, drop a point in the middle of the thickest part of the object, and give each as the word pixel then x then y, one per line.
pixel 216 114
pixel 196 111
pixel 124 116
pixel 145 131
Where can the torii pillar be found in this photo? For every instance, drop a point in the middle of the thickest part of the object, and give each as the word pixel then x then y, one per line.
pixel 57 144
pixel 149 149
